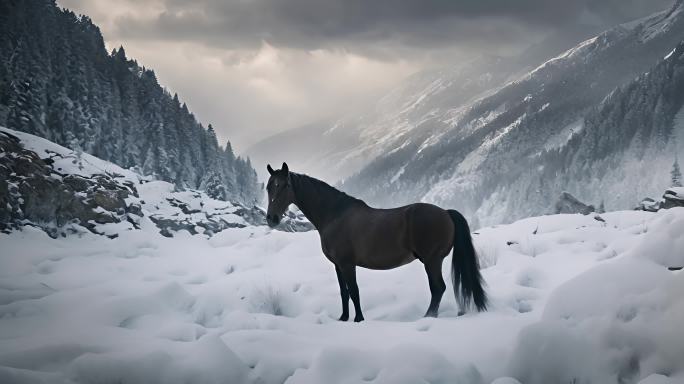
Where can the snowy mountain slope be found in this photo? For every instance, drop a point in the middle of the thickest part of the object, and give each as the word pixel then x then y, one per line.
pixel 69 192
pixel 573 299
pixel 478 152
pixel 334 150
pixel 309 149
pixel 406 114
pixel 67 161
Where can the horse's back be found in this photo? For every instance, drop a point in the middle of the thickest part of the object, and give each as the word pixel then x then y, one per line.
pixel 388 238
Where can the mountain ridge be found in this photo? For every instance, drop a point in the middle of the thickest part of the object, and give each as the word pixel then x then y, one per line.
pixel 479 148
pixel 336 149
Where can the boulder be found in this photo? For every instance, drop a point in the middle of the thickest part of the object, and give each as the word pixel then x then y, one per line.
pixel 168 226
pixel 77 182
pixel 568 203
pixel 108 200
pixel 291 222
pixel 648 205
pixel 673 197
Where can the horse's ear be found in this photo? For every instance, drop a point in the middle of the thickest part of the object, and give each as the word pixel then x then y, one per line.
pixel 285 168
pixel 270 170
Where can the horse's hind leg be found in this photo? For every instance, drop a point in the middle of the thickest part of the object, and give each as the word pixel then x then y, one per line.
pixel 349 274
pixel 344 293
pixel 433 268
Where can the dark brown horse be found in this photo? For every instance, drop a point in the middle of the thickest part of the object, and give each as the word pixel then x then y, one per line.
pixel 354 234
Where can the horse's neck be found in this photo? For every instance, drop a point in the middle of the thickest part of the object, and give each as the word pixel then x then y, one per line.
pixel 311 213
pixel 319 210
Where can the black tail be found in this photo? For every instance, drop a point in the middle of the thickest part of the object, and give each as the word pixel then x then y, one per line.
pixel 465 269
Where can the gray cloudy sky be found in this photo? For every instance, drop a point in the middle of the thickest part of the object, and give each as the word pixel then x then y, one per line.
pixel 256 67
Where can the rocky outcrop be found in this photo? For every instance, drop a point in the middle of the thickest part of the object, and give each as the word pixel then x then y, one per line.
pixel 56 194
pixel 33 193
pixel 673 197
pixel 648 205
pixel 568 203
pixel 186 211
pixel 291 222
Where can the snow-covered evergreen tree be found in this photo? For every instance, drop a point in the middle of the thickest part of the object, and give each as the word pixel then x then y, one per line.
pixel 676 174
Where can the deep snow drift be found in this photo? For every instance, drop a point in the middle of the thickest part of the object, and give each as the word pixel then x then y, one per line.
pixel 574 300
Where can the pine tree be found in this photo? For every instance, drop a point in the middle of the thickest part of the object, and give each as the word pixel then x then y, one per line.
pixel 215 187
pixel 676 174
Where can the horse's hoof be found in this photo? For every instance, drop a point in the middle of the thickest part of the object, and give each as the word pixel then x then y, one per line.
pixel 358 319
pixel 431 314
pixel 343 318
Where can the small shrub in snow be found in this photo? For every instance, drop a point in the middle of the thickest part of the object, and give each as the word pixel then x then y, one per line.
pixel 268 300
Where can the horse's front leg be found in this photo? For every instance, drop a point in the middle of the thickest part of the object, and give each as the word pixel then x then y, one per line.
pixel 349 275
pixel 344 294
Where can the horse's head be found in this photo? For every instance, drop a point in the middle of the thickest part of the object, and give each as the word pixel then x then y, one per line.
pixel 280 194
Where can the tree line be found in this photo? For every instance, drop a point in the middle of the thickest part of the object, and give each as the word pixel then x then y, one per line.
pixel 58 81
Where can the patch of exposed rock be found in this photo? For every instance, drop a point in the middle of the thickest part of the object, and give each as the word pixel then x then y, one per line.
pixel 33 193
pixel 673 197
pixel 568 203
pixel 186 211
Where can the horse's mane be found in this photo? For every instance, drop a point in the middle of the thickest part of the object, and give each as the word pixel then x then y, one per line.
pixel 305 185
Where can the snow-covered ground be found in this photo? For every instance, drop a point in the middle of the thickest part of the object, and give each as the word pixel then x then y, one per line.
pixel 574 300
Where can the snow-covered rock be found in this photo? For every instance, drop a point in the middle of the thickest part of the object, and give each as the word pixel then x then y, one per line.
pixel 65 192
pixel 673 197
pixel 567 203
pixel 33 192
pixel 648 204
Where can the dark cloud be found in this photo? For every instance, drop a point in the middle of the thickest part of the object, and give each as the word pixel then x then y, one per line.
pixel 373 26
pixel 256 67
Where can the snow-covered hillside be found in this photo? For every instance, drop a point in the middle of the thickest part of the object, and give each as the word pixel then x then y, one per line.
pixel 335 150
pixel 65 192
pixel 409 113
pixel 490 157
pixel 574 299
